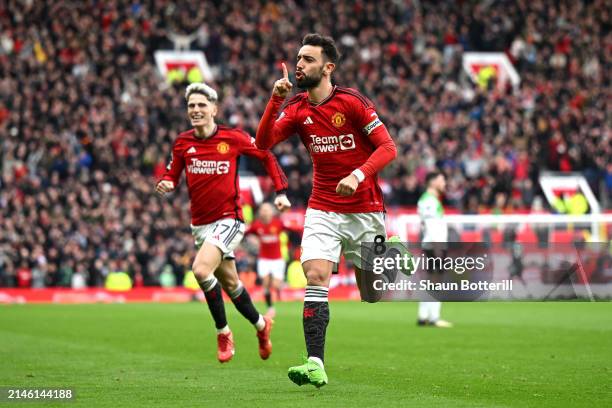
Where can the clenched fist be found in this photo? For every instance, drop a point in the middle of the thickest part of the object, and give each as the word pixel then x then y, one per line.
pixel 282 203
pixel 164 187
pixel 347 185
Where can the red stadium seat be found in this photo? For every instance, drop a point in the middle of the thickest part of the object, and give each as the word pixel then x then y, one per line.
pixel 526 236
pixel 471 236
pixel 496 236
pixel 413 237
pixel 565 236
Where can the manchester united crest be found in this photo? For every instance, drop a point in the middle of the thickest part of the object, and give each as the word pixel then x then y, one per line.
pixel 338 119
pixel 223 148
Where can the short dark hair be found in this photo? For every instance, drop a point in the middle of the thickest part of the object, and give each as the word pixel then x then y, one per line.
pixel 330 51
pixel 432 175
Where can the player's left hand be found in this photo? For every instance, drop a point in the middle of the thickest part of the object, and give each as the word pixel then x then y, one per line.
pixel 347 185
pixel 282 203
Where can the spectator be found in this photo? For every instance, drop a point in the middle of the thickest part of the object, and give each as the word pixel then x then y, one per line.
pixel 86 121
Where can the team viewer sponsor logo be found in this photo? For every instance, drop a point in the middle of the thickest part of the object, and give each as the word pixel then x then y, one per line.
pixel 208 167
pixel 330 144
pixel 268 238
pixel 347 142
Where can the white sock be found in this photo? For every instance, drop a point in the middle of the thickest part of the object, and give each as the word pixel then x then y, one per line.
pixel 316 360
pixel 208 283
pixel 316 293
pixel 434 311
pixel 423 310
pixel 237 292
pixel 223 330
pixel 260 324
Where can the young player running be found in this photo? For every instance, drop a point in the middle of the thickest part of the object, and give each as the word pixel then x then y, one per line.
pixel 209 154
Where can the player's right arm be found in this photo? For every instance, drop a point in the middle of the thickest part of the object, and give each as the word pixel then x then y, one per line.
pixel 273 128
pixel 172 176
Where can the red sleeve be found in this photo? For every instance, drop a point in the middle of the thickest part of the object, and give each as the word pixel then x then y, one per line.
pixel 273 129
pixel 286 227
pixel 282 224
pixel 267 159
pixel 251 229
pixel 176 165
pixel 373 128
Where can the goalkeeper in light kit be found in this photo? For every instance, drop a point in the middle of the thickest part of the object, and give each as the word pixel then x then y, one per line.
pixel 348 145
pixel 435 236
pixel 209 155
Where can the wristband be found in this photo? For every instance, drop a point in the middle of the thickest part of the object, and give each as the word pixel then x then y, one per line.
pixel 359 174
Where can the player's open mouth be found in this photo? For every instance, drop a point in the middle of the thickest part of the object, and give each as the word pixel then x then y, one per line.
pixel 299 75
pixel 197 117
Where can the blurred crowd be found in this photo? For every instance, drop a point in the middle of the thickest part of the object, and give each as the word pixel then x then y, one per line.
pixel 87 123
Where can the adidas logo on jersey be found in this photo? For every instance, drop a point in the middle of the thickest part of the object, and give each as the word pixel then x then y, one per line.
pixel 308 121
pixel 191 150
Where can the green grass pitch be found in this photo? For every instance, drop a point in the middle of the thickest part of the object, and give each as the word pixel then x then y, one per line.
pixel 163 355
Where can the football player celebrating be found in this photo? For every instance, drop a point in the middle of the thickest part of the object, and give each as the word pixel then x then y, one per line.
pixel 208 154
pixel 348 145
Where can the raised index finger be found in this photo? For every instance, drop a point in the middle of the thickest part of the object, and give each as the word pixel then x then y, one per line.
pixel 285 73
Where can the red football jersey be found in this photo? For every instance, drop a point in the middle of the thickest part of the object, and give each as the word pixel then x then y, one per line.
pixel 269 237
pixel 211 166
pixel 340 133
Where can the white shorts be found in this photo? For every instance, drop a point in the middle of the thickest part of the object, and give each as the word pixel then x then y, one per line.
pixel 225 234
pixel 274 267
pixel 327 234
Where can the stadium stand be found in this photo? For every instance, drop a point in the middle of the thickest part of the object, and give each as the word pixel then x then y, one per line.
pixel 86 122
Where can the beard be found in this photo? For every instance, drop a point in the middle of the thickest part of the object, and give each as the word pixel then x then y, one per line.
pixel 308 82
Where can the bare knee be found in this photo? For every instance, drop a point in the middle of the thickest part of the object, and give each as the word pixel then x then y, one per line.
pixel 229 283
pixel 203 269
pixel 228 276
pixel 317 275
